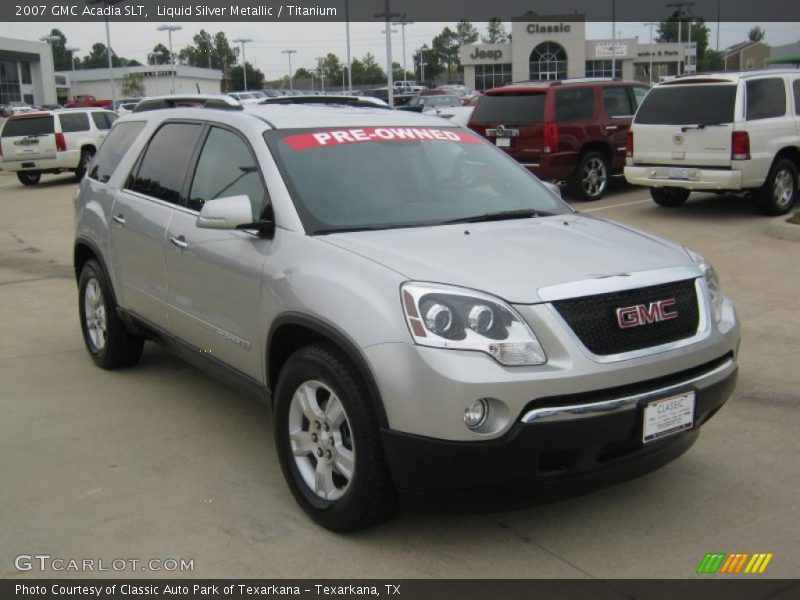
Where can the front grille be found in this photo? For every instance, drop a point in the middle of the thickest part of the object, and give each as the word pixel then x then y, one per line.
pixel 594 318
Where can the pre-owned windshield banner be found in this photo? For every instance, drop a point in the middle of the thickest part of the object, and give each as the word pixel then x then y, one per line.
pixel 337 137
pixel 409 10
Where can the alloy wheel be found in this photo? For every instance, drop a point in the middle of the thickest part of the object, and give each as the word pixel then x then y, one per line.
pixel 94 311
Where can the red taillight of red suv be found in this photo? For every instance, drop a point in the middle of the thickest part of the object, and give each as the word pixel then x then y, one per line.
pixel 550 138
pixel 61 143
pixel 740 145
pixel 629 145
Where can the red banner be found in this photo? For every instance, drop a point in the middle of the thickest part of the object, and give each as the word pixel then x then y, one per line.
pixel 337 137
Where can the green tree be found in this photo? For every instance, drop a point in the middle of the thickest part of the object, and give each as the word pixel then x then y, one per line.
pixel 132 85
pixel 711 61
pixel 255 78
pixel 466 33
pixel 668 32
pixel 495 32
pixel 330 68
pixel 98 59
pixel 61 56
pixel 433 67
pixel 302 73
pixel 446 47
pixel 756 34
pixel 159 56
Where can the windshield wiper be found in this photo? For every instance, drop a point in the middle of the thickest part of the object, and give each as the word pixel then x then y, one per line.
pixel 701 126
pixel 370 228
pixel 500 216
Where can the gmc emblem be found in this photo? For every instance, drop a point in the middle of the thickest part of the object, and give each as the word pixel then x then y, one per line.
pixel 641 314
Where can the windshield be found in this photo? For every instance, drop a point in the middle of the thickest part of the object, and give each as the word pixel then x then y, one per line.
pixel 386 177
pixel 686 104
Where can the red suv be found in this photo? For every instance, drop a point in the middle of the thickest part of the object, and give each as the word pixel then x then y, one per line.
pixel 570 130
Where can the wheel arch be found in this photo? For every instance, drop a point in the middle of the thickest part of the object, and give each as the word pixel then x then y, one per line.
pixel 292 331
pixel 84 251
pixel 602 147
pixel 790 152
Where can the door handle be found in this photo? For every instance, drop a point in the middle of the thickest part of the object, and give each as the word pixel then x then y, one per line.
pixel 179 241
pixel 120 218
pixel 612 127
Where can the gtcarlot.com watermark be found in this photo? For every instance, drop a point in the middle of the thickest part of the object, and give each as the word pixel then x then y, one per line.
pixel 46 562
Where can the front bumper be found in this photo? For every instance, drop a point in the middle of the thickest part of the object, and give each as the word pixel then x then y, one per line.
pixel 702 179
pixel 560 447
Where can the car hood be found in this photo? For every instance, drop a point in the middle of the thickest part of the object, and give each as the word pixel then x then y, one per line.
pixel 514 259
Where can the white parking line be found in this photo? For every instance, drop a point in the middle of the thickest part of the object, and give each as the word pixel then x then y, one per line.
pixel 616 205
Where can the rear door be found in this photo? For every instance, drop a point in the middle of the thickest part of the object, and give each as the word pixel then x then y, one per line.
pixel 513 121
pixel 686 124
pixel 616 120
pixel 28 137
pixel 75 127
pixel 141 214
pixel 103 120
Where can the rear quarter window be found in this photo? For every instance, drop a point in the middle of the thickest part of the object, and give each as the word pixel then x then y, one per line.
pixel 28 126
pixel 113 149
pixel 766 98
pixel 72 122
pixel 685 104
pixel 575 104
pixel 510 108
pixel 796 90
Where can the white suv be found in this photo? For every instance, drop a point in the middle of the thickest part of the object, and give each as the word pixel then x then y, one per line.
pixel 729 132
pixel 52 141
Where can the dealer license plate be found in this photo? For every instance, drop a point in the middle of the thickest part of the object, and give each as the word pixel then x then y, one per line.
pixel 503 142
pixel 682 173
pixel 668 416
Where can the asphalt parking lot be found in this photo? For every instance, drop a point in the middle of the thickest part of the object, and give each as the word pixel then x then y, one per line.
pixel 161 461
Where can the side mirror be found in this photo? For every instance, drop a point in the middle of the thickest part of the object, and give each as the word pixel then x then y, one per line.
pixel 231 212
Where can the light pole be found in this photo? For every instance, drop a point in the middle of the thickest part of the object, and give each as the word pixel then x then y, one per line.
pixel 289 54
pixel 403 24
pixel 422 63
pixel 108 3
pixel 387 15
pixel 320 64
pixel 391 65
pixel 679 6
pixel 243 41
pixel 613 39
pixel 49 39
pixel 650 68
pixel 170 29
pixel 152 60
pixel 347 35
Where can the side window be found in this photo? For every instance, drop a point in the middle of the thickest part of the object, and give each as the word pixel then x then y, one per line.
pixel 765 98
pixel 616 102
pixel 796 90
pixel 638 96
pixel 575 104
pixel 226 168
pixel 165 162
pixel 72 122
pixel 113 149
pixel 103 120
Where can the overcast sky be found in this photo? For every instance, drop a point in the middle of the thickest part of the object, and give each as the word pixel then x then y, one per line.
pixel 135 40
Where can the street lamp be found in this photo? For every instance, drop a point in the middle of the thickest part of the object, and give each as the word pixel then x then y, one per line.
pixel 388 15
pixel 650 72
pixel 243 41
pixel 170 29
pixel 291 76
pixel 108 3
pixel 320 65
pixel 347 35
pixel 403 25
pixel 679 6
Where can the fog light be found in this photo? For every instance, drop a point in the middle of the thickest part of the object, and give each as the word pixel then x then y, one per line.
pixel 475 413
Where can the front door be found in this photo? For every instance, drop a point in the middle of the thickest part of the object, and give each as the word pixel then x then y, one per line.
pixel 617 116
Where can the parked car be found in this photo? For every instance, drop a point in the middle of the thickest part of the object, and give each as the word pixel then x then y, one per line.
pixel 244 97
pixel 726 132
pixel 52 141
pixel 427 103
pixel 16 108
pixel 571 130
pixel 88 101
pixel 378 278
pixel 125 105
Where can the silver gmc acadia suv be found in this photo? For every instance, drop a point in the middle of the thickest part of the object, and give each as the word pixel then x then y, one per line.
pixel 430 324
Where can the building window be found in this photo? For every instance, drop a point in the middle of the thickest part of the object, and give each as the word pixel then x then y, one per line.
pixel 492 76
pixel 548 61
pixel 9 82
pixel 602 68
pixel 25 69
pixel 750 64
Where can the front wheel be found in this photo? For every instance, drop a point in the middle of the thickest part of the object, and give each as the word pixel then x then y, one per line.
pixel 28 178
pixel 590 180
pixel 669 197
pixel 779 192
pixel 109 343
pixel 328 441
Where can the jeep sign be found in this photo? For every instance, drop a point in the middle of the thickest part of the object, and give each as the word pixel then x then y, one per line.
pixel 490 54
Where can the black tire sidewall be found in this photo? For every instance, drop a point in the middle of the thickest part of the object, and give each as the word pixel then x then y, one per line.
pixel 91 270
pixel 669 197
pixel 86 157
pixel 29 178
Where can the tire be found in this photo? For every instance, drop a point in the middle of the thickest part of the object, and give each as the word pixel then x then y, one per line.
pixel 83 166
pixel 779 193
pixel 28 178
pixel 669 197
pixel 591 177
pixel 354 489
pixel 109 343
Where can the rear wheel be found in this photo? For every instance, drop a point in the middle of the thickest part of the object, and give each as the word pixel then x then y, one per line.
pixel 669 197
pixel 109 343
pixel 28 178
pixel 328 441
pixel 591 177
pixel 83 166
pixel 779 192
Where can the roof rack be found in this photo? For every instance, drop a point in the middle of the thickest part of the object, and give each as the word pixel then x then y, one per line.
pixel 362 101
pixel 216 101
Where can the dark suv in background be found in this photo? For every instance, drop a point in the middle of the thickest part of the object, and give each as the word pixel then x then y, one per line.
pixel 570 130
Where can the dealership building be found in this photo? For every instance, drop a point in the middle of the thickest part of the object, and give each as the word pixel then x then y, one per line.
pixel 26 72
pixel 555 47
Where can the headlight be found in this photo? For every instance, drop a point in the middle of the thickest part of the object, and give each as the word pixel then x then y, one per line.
pixel 444 316
pixel 712 283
